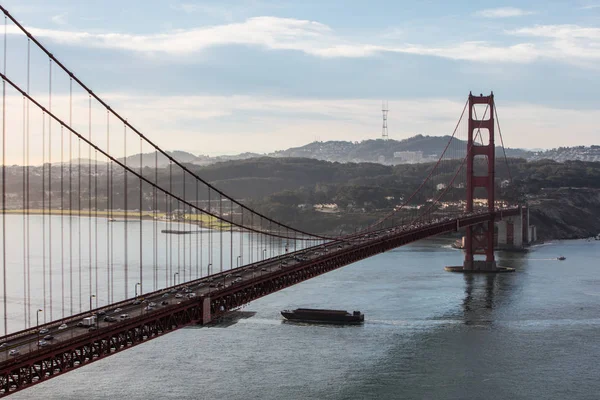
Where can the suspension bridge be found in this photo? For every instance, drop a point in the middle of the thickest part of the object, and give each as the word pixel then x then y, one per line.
pixel 95 226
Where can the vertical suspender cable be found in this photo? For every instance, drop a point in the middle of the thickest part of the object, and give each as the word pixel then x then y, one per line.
pixel 221 232
pixel 62 222
pixel 50 189
pixel 170 213
pixel 96 226
pixel 79 222
pixel 4 187
pixel 71 198
pixel 125 208
pixel 89 174
pixel 44 212
pixel 155 223
pixel 24 215
pixel 198 233
pixel 27 196
pixel 109 212
pixel 231 234
pixel 141 226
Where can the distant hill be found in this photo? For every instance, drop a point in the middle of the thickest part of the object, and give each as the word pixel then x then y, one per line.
pixel 414 150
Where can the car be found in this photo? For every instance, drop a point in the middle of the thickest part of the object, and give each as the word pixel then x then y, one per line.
pixel 173 291
pixel 43 343
pixel 264 269
pixel 63 326
pixel 100 313
pixel 148 308
pixel 92 328
pixel 136 302
pixel 3 345
pixel 43 331
pixel 209 279
pixel 212 285
pixel 79 325
pixel 190 295
pixel 110 319
pixel 116 310
pixel 238 275
pixel 13 353
pixel 48 337
pixel 123 316
pixel 178 296
pixel 165 295
pixel 152 304
pixel 164 302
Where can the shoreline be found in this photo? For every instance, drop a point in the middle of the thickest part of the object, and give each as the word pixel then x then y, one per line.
pixel 202 221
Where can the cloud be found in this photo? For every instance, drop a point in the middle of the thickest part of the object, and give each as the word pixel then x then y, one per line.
pixel 503 12
pixel 275 33
pixel 60 19
pixel 565 42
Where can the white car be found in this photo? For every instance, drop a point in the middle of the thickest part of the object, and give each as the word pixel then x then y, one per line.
pixel 178 296
pixel 117 310
pixel 13 353
pixel 123 316
pixel 42 343
pixel 63 326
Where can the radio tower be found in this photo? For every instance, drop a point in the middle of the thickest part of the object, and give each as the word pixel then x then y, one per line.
pixel 384 110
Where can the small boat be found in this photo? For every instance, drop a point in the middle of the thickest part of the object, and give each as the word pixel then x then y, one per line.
pixel 318 316
pixel 112 220
pixel 561 258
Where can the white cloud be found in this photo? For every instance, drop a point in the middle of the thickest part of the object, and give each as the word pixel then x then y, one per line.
pixel 565 43
pixel 60 19
pixel 503 12
pixel 275 33
pixel 571 43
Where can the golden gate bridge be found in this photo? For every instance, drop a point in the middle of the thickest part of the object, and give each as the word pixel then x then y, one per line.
pixel 88 231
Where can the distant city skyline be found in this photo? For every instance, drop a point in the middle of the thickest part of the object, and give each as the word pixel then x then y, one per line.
pixel 260 76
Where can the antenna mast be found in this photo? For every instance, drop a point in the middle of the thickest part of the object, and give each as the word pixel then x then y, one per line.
pixel 384 110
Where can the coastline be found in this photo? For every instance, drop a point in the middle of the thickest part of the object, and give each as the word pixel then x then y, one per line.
pixel 203 221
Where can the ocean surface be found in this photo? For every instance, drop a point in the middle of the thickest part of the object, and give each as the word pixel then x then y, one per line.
pixel 428 334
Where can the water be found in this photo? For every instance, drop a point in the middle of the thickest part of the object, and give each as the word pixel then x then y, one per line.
pixel 428 334
pixel 76 260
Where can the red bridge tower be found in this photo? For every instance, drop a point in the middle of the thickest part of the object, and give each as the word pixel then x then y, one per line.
pixel 479 239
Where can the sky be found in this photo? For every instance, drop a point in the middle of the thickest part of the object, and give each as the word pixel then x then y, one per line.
pixel 224 77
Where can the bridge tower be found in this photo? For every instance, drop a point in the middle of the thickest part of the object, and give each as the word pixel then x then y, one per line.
pixel 479 239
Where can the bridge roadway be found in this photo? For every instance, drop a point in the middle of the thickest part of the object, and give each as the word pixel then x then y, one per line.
pixel 189 303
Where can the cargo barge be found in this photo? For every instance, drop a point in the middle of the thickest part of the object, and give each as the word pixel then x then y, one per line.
pixel 318 316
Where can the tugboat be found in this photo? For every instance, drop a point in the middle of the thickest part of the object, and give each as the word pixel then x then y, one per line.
pixel 561 258
pixel 338 317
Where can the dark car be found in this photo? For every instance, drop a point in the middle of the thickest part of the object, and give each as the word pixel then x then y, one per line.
pixel 101 312
pixel 48 337
pixel 110 319
pixel 92 328
pixel 164 303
